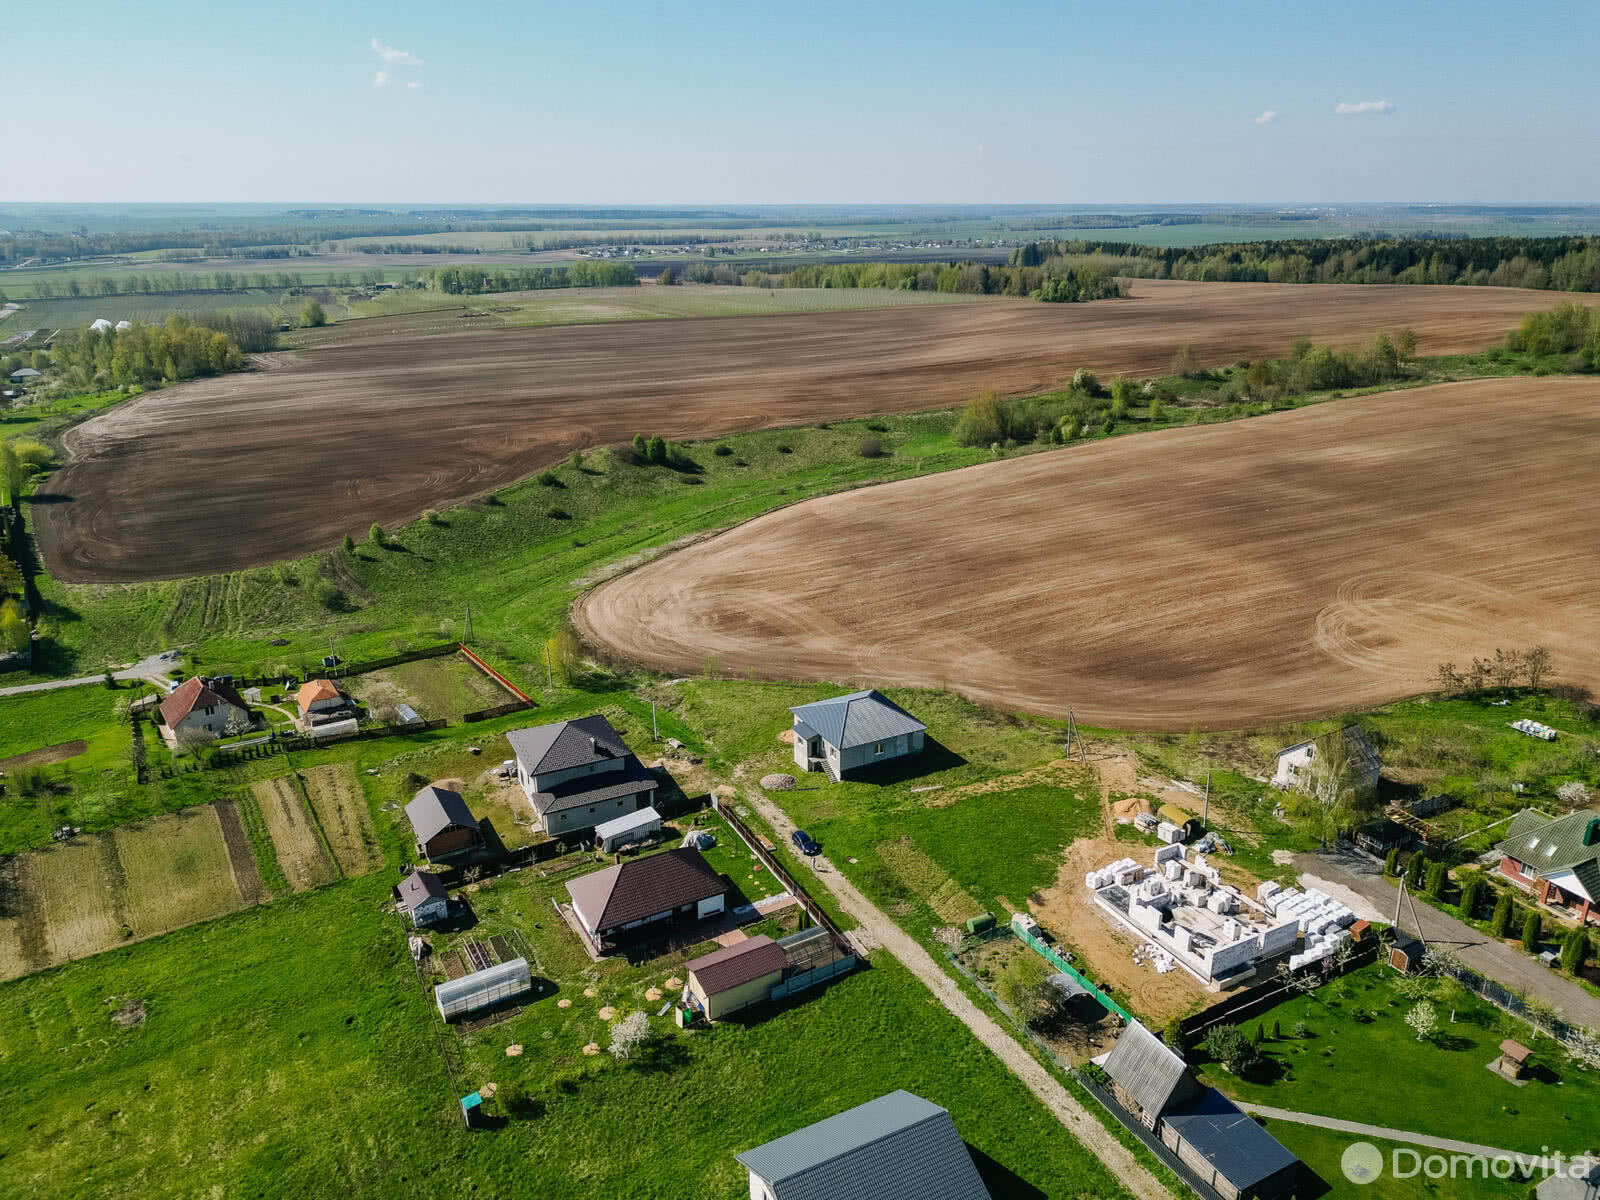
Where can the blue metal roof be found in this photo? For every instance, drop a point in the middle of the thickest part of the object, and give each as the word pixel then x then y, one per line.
pixel 1242 1152
pixel 858 719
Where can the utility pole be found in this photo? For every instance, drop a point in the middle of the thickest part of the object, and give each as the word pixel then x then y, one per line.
pixel 1205 818
pixel 466 633
pixel 549 674
pixel 655 733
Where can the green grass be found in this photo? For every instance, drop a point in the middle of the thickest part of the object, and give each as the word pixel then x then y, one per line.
pixel 81 310
pixel 89 789
pixel 1322 1149
pixel 47 418
pixel 266 856
pixel 1377 1072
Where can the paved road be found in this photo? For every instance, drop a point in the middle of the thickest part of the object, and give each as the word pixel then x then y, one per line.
pixel 153 669
pixel 877 929
pixel 1502 963
pixel 1381 1131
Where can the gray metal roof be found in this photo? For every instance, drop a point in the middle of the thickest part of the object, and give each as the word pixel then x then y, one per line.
pixel 627 822
pixel 596 789
pixel 434 809
pixel 898 1145
pixel 1142 1065
pixel 564 744
pixel 1242 1152
pixel 857 719
pixel 419 886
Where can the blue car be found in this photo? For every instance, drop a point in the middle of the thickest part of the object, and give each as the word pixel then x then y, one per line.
pixel 805 843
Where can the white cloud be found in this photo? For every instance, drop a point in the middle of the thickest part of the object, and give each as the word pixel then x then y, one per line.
pixel 1349 108
pixel 391 57
pixel 414 84
pixel 381 78
pixel 1267 117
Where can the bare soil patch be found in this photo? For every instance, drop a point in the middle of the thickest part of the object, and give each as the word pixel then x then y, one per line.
pixel 45 755
pixel 300 851
pixel 176 871
pixel 1218 576
pixel 341 808
pixel 246 874
pixel 139 511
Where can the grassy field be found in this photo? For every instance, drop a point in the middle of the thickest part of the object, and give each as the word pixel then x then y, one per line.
pixel 1322 1150
pixel 435 687
pixel 177 871
pixel 1376 1071
pixel 341 809
pixel 81 310
pixel 301 852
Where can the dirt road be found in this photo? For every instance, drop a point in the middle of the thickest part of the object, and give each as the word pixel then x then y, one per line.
pixel 1483 954
pixel 249 468
pixel 1222 576
pixel 881 931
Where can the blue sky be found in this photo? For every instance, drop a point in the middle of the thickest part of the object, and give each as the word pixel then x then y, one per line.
pixel 890 102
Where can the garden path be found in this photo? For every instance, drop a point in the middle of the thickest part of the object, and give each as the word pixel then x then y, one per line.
pixel 1381 1131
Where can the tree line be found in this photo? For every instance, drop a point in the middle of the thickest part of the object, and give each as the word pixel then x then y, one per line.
pixel 166 283
pixel 1568 264
pixel 143 354
pixel 472 281
pixel 1055 281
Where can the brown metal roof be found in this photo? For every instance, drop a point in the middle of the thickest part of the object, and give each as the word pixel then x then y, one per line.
pixel 1515 1051
pixel 727 968
pixel 643 887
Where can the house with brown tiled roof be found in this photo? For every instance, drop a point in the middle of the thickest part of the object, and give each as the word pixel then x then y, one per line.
pixel 205 705
pixel 675 885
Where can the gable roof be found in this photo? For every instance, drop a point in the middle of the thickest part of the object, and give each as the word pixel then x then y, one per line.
pixel 197 693
pixel 1238 1148
pixel 313 690
pixel 896 1145
pixel 563 744
pixel 1147 1069
pixel 857 719
pixel 1550 845
pixel 419 886
pixel 434 809
pixel 1361 753
pixel 627 823
pixel 737 964
pixel 597 788
pixel 643 887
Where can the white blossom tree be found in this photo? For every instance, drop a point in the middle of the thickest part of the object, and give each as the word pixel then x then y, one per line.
pixel 628 1034
pixel 1423 1019
pixel 1574 793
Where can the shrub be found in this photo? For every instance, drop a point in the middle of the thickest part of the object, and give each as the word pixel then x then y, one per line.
pixel 1575 952
pixel 1301 1029
pixel 332 597
pixel 722 451
pixel 349 544
pixel 549 479
pixel 575 460
pixel 1391 862
pixel 559 514
pixel 985 420
pixel 1415 868
pixel 784 448
pixel 431 516
pixel 1086 381
pixel 1095 1074
pixel 1500 921
pixel 1472 895
pixel 641 445
pixel 739 462
pixel 1173 1034
pixel 1228 1045
pixel 1157 412
pixel 657 451
pixel 1438 874
pixel 877 427
pixel 871 448
pixel 1532 928
pixel 376 535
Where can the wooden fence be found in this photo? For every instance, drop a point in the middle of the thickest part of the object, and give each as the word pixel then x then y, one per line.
pixel 499 710
pixel 770 861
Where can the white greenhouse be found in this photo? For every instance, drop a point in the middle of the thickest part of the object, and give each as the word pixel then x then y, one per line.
pixel 483 989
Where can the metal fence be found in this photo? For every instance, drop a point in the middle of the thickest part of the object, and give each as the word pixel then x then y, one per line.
pixel 770 861
pixel 1573 1037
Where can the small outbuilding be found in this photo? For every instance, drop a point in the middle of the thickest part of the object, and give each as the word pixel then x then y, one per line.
pixel 850 732
pixel 1406 954
pixel 627 830
pixel 443 824
pixel 26 373
pixel 736 976
pixel 1513 1060
pixel 422 897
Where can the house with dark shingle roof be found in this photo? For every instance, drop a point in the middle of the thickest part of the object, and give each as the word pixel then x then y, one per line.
pixel 674 885
pixel 443 824
pixel 579 774
pixel 1556 858
pixel 898 1145
pixel 207 705
pixel 421 896
pixel 1227 1150
pixel 736 976
pixel 847 733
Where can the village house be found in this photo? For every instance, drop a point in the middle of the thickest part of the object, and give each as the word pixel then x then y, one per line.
pixel 1226 1149
pixel 422 897
pixel 847 733
pixel 206 706
pixel 443 824
pixel 1556 858
pixel 672 886
pixel 579 774
pixel 897 1145
pixel 1362 766
pixel 320 700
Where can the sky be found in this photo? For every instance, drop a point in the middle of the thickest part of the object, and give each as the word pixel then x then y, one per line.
pixel 881 101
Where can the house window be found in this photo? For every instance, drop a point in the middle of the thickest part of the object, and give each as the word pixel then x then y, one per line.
pixel 1533 843
pixel 619 803
pixel 877 747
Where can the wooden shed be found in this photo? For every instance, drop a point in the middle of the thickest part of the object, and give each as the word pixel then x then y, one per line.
pixel 1406 953
pixel 1513 1060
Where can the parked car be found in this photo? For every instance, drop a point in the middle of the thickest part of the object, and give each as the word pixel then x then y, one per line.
pixel 805 843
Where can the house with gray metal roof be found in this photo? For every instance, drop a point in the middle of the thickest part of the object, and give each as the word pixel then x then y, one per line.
pixel 1221 1146
pixel 850 732
pixel 897 1145
pixel 1556 858
pixel 578 774
pixel 443 824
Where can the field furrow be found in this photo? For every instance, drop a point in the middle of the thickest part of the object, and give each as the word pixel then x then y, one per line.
pixel 341 808
pixel 300 851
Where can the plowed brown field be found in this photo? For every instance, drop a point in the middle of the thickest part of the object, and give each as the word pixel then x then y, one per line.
pixel 238 471
pixel 1217 576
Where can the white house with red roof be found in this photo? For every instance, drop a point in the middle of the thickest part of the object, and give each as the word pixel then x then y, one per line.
pixel 207 705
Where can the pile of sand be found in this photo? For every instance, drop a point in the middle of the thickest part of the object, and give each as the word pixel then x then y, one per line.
pixel 653 995
pixel 589 992
pixel 787 737
pixel 777 783
pixel 673 984
pixel 592 1048
pixel 563 1003
pixel 606 1013
pixel 514 1050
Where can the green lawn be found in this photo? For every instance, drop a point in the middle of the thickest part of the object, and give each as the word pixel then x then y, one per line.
pixel 1322 1150
pixel 87 789
pixel 1377 1072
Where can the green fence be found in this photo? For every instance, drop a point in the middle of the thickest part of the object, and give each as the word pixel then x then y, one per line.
pixel 1066 968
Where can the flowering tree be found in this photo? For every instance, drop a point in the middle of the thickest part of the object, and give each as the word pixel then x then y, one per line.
pixel 628 1034
pixel 1423 1019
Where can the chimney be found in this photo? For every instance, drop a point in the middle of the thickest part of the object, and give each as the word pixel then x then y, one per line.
pixel 594 745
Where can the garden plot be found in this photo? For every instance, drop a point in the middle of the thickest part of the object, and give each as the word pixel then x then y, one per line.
pixel 176 871
pixel 446 687
pixel 301 853
pixel 78 897
pixel 341 809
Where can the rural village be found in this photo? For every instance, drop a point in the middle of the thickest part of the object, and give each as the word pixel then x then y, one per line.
pixel 799 701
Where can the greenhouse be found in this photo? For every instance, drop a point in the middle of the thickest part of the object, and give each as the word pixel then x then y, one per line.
pixel 483 989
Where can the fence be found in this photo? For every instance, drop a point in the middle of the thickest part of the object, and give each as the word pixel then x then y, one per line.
pixel 225 756
pixel 810 979
pixel 1066 968
pixel 494 675
pixel 770 861
pixel 499 710
pixel 1574 1037
pixel 1251 1001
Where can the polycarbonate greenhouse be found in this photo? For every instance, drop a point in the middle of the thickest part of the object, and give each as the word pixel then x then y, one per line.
pixel 483 989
